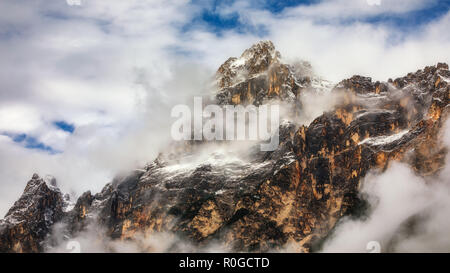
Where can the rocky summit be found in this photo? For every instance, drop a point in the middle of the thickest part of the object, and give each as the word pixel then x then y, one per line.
pixel 201 195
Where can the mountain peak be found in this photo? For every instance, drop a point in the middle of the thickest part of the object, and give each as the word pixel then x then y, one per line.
pixel 261 50
pixel 254 60
pixel 259 75
pixel 30 218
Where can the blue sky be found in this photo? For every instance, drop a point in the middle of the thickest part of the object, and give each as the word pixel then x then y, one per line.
pixel 61 124
pixel 412 19
pixel 210 15
pixel 31 142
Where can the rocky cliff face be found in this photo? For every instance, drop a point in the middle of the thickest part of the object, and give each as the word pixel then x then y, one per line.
pixel 30 219
pixel 258 76
pixel 244 199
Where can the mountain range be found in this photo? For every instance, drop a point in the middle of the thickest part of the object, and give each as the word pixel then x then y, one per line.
pixel 207 196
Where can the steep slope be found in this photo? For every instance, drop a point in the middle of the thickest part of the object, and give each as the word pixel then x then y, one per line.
pixel 247 200
pixel 30 219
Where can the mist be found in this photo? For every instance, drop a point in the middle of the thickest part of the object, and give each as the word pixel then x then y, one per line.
pixel 95 153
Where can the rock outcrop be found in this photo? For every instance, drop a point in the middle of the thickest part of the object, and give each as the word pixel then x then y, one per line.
pixel 30 219
pixel 258 75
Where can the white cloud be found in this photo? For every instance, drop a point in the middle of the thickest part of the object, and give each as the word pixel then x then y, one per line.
pixel 395 196
pixel 17 118
pixel 341 48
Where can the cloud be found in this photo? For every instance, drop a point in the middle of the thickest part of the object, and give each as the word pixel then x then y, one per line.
pixel 80 65
pixel 350 9
pixel 396 195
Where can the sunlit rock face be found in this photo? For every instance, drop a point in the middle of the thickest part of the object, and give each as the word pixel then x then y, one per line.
pixel 259 75
pixel 237 198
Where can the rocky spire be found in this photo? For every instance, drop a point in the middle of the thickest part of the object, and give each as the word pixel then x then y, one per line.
pixel 31 217
pixel 258 75
pixel 254 60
